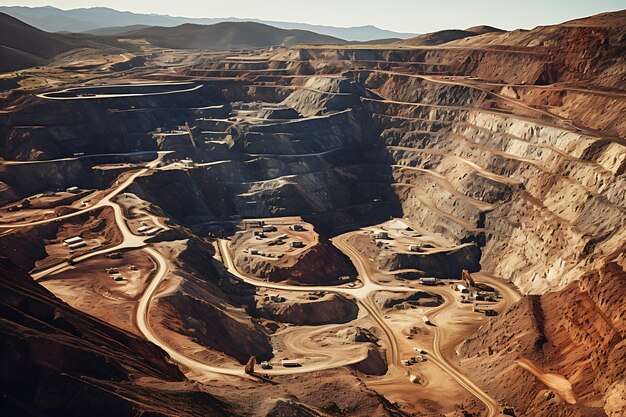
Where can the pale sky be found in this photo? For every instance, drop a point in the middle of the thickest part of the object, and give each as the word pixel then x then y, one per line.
pixel 399 15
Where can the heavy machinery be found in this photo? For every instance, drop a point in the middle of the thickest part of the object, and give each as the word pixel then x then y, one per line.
pixel 468 280
pixel 249 369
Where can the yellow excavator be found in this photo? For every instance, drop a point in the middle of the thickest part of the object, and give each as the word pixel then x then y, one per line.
pixel 468 281
pixel 249 369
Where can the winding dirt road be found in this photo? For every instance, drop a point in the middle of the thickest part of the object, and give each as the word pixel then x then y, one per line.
pixel 363 295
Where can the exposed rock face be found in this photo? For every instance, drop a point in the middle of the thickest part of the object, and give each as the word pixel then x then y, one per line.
pixel 215 328
pixel 577 333
pixel 325 94
pixel 59 362
pixel 208 311
pixel 46 129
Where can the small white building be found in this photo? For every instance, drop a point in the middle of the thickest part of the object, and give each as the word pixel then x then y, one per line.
pixel 380 234
pixel 296 227
pixel 428 281
pixel 290 363
pixel 73 190
pixel 187 162
pixel 462 289
pixel 253 223
pixel 72 240
pixel 77 245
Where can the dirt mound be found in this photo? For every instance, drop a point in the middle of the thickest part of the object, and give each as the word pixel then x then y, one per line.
pixel 417 299
pixel 316 310
pixel 320 263
pixel 290 408
pixel 444 263
pixel 374 364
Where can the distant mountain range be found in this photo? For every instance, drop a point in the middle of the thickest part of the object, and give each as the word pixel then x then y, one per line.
pixel 227 35
pixel 23 46
pixel 51 19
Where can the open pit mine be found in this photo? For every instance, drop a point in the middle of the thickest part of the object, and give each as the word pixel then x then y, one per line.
pixel 430 227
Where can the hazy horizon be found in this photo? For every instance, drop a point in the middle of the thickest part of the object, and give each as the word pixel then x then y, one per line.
pixel 400 15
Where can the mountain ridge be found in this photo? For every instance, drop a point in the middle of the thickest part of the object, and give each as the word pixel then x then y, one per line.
pixel 52 19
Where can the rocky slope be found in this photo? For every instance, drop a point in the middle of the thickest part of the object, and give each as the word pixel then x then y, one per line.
pixel 576 333
pixel 61 362
pixel 58 362
pixel 23 46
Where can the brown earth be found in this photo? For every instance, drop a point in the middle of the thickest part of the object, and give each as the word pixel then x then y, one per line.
pixel 505 149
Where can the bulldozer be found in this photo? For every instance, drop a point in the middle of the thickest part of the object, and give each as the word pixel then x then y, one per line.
pixel 249 369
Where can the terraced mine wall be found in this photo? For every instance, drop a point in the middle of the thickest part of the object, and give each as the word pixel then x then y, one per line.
pixel 513 151
pixel 456 159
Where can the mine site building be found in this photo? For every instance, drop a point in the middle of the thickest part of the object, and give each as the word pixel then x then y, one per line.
pixel 297 244
pixel 428 281
pixel 152 231
pixel 253 251
pixel 254 223
pixel 462 289
pixel 415 248
pixel 143 229
pixel 77 245
pixel 380 234
pixel 72 240
pixel 296 227
pixel 399 225
pixel 290 363
pixel 269 228
pixel 73 190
